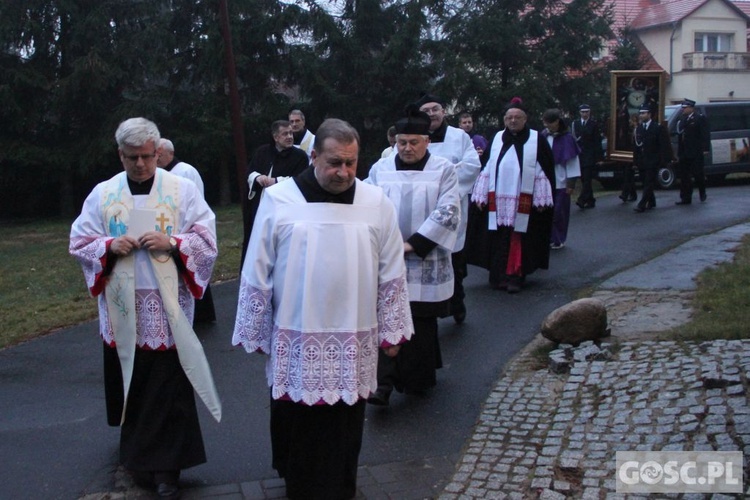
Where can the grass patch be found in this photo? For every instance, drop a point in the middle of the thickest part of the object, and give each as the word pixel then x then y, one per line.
pixel 42 287
pixel 722 301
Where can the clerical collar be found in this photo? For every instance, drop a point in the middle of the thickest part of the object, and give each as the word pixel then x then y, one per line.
pixel 169 166
pixel 313 193
pixel 438 135
pixel 518 138
pixel 412 166
pixel 141 187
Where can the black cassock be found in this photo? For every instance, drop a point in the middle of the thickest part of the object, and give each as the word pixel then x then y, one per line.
pixel 481 244
pixel 286 163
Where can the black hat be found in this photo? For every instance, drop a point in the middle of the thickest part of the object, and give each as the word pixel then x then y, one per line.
pixel 687 103
pixel 415 122
pixel 429 98
pixel 584 107
pixel 645 108
pixel 517 103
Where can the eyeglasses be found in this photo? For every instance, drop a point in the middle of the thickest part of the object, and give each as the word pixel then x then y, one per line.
pixel 432 110
pixel 134 158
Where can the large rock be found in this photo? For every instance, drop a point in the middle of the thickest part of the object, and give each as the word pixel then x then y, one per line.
pixel 576 322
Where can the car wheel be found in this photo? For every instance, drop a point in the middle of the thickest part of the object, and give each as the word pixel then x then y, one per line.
pixel 666 177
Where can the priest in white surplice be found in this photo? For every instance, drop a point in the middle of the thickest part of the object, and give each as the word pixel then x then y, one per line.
pixel 147 242
pixel 424 188
pixel 165 158
pixel 456 146
pixel 323 290
pixel 303 138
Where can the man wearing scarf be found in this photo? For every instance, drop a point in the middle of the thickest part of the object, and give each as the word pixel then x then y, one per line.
pixel 303 138
pixel 146 240
pixel 511 238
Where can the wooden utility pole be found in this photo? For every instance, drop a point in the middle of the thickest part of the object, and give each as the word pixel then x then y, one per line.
pixel 238 130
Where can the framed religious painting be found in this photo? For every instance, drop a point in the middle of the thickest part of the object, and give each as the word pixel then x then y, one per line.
pixel 629 91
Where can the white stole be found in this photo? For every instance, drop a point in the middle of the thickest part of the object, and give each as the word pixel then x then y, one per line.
pixel 508 172
pixel 120 289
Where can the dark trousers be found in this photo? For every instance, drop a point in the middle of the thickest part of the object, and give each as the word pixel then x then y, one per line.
pixel 561 217
pixel 689 170
pixel 413 368
pixel 499 247
pixel 316 448
pixel 648 200
pixel 204 308
pixel 161 430
pixel 587 191
pixel 628 183
pixel 458 259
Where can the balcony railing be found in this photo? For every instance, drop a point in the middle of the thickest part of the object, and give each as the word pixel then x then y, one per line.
pixel 713 61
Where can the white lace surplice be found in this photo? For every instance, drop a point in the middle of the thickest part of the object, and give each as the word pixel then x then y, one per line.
pixel 91 233
pixel 322 289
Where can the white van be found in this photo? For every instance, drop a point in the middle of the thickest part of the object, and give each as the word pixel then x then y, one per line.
pixel 729 123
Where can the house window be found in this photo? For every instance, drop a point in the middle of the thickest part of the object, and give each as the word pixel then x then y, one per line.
pixel 713 42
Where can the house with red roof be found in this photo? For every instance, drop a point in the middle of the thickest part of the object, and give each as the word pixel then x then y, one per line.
pixel 701 45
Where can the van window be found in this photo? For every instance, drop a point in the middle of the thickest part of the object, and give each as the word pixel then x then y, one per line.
pixel 721 118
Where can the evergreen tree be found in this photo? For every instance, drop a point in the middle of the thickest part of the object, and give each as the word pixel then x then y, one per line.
pixel 540 50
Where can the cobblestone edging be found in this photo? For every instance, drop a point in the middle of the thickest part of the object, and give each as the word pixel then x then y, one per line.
pixel 554 436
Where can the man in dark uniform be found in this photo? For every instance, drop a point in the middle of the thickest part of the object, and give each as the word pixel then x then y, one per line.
pixel 651 151
pixel 694 142
pixel 271 163
pixel 589 138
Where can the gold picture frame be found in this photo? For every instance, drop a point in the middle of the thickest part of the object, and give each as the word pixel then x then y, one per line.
pixel 631 90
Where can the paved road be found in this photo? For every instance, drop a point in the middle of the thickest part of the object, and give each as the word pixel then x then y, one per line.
pixel 54 442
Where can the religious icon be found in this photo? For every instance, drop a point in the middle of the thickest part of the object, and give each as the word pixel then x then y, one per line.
pixel 630 91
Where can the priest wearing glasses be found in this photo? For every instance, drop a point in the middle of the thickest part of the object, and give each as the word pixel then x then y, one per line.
pixel 146 240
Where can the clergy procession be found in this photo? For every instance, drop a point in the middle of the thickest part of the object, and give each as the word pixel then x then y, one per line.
pixel 343 280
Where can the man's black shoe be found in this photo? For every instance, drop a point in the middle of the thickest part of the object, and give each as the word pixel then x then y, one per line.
pixel 703 196
pixel 632 197
pixel 168 490
pixel 639 209
pixel 459 313
pixel 580 204
pixel 623 197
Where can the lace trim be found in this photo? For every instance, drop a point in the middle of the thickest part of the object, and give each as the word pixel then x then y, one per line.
pixel 481 188
pixel 543 196
pixel 309 367
pixel 200 253
pixel 89 251
pixel 446 216
pixel 254 322
pixel 394 313
pixel 507 206
pixel 430 271
pixel 152 326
